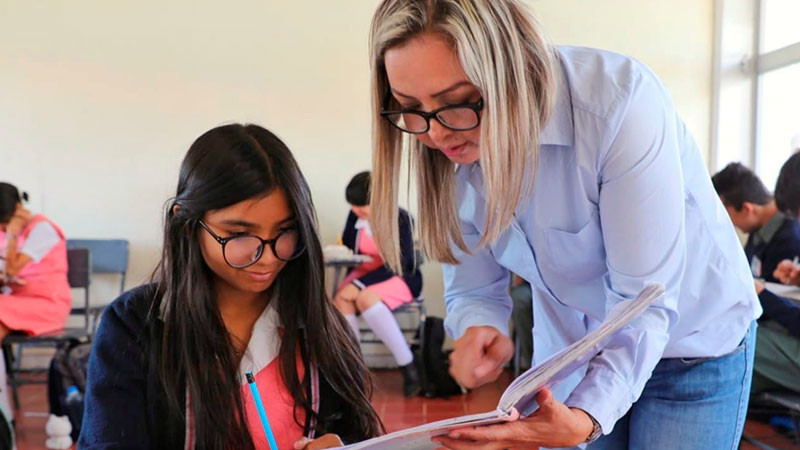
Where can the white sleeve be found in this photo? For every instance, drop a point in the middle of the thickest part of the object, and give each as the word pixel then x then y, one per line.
pixel 42 238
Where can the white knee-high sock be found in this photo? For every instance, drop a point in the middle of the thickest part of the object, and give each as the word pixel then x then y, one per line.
pixel 353 321
pixel 382 322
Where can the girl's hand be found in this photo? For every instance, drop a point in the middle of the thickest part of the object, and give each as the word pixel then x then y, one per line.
pixel 553 425
pixel 21 217
pixel 329 440
pixel 479 356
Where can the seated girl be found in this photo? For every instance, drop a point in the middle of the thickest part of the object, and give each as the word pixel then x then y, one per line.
pixel 239 289
pixel 372 289
pixel 35 298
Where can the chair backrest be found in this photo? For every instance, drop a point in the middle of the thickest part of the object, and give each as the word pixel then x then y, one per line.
pixel 79 263
pixel 108 255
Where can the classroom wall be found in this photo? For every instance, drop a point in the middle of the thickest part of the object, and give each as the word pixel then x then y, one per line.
pixel 100 100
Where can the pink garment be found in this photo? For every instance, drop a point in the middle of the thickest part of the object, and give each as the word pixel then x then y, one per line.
pixel 43 304
pixel 394 292
pixel 279 405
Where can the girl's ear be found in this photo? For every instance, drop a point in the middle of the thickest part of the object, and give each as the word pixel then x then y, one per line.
pixel 175 208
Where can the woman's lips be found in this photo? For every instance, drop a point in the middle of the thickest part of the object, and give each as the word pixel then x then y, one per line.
pixel 454 151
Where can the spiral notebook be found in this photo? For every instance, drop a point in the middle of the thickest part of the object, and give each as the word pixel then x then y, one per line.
pixel 519 399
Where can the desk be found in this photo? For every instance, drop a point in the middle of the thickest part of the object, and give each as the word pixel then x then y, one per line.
pixel 783 290
pixel 340 264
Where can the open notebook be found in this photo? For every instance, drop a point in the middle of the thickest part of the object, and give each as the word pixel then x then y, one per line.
pixel 518 400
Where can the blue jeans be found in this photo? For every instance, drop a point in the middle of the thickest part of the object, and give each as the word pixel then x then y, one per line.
pixel 697 403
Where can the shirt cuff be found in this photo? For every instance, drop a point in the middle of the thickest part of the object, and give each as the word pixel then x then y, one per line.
pixel 457 324
pixel 604 395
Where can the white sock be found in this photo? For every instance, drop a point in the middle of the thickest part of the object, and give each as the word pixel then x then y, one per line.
pixel 353 321
pixel 382 322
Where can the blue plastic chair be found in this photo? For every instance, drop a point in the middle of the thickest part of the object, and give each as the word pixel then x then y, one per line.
pixel 108 256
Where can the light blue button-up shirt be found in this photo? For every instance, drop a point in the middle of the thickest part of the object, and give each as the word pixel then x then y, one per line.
pixel 621 198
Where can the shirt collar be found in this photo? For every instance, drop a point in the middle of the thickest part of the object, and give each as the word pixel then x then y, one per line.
pixel 560 129
pixel 765 234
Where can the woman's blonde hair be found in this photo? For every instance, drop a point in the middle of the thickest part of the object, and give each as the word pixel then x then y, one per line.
pixel 505 55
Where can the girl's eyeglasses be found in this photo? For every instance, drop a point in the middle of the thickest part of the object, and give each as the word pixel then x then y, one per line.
pixel 244 250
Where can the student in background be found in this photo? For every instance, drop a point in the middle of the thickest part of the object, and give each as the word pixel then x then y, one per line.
pixel 773 235
pixel 372 289
pixel 777 363
pixel 239 288
pixel 33 272
pixel 787 196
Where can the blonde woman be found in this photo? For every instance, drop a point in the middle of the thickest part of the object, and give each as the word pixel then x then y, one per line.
pixel 569 167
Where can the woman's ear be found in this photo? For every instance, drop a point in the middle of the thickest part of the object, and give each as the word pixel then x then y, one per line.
pixel 175 208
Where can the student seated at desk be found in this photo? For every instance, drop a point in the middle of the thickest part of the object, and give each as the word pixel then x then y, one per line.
pixel 787 195
pixel 773 235
pixel 239 289
pixel 33 272
pixel 372 289
pixel 34 268
pixel 777 360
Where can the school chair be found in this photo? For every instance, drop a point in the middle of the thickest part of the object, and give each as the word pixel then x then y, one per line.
pixel 784 403
pixel 79 276
pixel 109 256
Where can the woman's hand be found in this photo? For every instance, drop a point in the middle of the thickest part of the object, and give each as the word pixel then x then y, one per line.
pixel 326 441
pixel 759 287
pixel 479 356
pixel 787 272
pixel 552 425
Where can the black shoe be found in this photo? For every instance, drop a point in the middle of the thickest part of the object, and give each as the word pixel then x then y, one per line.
pixel 412 386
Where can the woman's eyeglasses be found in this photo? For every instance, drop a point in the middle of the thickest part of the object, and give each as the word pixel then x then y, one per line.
pixel 462 117
pixel 244 250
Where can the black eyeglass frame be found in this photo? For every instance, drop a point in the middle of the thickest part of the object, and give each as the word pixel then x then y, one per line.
pixel 264 242
pixel 476 106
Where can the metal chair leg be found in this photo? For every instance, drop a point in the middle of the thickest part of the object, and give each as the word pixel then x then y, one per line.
pixel 11 377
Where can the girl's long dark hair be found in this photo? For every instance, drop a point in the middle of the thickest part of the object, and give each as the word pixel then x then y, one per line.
pixel 224 166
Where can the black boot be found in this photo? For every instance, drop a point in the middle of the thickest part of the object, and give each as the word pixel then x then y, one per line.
pixel 412 386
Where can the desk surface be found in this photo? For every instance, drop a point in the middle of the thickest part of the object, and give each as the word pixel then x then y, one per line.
pixel 783 290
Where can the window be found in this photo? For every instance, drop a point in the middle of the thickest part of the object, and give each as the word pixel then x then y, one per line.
pixel 777 114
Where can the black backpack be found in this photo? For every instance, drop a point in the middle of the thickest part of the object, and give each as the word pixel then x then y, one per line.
pixel 68 368
pixel 435 363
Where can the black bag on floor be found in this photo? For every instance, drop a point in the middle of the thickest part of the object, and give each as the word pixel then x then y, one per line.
pixel 68 369
pixel 436 380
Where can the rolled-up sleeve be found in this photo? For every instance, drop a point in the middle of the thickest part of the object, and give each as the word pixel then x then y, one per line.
pixel 476 289
pixel 642 213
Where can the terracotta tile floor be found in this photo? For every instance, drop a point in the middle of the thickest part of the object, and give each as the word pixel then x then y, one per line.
pixel 396 411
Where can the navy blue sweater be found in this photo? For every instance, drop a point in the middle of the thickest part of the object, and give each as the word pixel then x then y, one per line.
pixel 125 403
pixel 783 242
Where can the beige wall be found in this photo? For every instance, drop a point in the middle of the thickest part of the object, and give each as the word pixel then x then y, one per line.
pixel 100 100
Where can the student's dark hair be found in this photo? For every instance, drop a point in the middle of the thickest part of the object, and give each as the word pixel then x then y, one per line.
pixel 9 198
pixel 224 166
pixel 737 184
pixel 357 192
pixel 787 188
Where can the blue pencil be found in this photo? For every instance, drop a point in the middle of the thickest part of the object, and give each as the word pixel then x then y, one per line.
pixel 261 412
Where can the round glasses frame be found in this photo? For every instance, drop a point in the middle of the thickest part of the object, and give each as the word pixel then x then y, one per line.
pixel 264 242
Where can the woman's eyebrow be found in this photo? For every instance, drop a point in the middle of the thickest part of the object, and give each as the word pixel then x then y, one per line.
pixel 438 94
